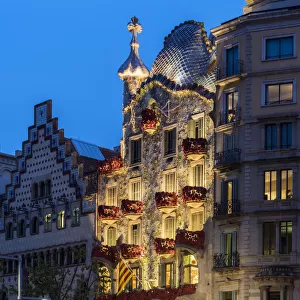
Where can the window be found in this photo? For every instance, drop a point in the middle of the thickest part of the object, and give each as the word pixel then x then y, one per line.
pixel 196 128
pixel 285 135
pixel 135 151
pixel 228 295
pixel 111 236
pixel 62 257
pixel 22 228
pixel 228 141
pixel 286 237
pixel 42 189
pixel 197 221
pixel 135 190
pixel 69 256
pixel 167 275
pixel 282 189
pixel 278 48
pixel 76 217
pixel 229 249
pixel 61 220
pixel 169 230
pixel 232 61
pixel 190 270
pixel 170 182
pixel 9 231
pixel 135 282
pixel 35 225
pixel 279 93
pixel 35 190
pixel 229 194
pixel 135 234
pixel 111 195
pixel 48 222
pixel 197 176
pixel 270 136
pixel 269 238
pixel 230 112
pixel 48 187
pixel 170 141
pixel 274 295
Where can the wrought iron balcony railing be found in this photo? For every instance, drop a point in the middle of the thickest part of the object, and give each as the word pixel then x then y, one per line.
pixel 226 260
pixel 227 158
pixel 230 116
pixel 233 68
pixel 227 208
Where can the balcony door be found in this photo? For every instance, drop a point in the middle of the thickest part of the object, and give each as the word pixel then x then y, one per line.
pixel 229 248
pixel 229 196
pixel 232 59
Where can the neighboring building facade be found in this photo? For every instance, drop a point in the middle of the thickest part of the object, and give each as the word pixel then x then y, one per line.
pixel 256 222
pixel 155 199
pixel 50 203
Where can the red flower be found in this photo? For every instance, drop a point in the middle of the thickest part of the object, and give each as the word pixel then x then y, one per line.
pixel 193 193
pixel 194 146
pixel 166 199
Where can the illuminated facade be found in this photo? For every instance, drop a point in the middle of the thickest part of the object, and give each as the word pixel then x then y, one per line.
pixel 50 203
pixel 256 216
pixel 155 199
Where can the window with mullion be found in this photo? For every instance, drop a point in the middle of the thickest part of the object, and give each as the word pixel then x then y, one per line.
pixel 167 276
pixel 136 147
pixel 231 101
pixel 135 282
pixel 169 231
pixel 135 234
pixel 286 184
pixel 271 137
pixel 278 48
pixel 111 236
pixel 135 191
pixel 279 93
pixel 232 61
pixel 269 238
pixel 286 135
pixel 170 141
pixel 270 185
pixel 228 295
pixel 286 237
pixel 112 196
pixel 170 182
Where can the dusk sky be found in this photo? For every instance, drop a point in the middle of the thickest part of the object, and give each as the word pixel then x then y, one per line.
pixel 70 50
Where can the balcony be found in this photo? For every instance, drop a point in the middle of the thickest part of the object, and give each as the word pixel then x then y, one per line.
pixel 231 73
pixel 227 208
pixel 230 116
pixel 276 272
pixel 166 202
pixel 131 252
pixel 226 260
pixel 150 121
pixel 107 253
pixel 228 158
pixel 111 167
pixel 108 214
pixel 190 239
pixel 164 247
pixel 194 149
pixel 194 196
pixel 132 210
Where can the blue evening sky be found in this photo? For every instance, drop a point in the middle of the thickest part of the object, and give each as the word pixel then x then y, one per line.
pixel 70 50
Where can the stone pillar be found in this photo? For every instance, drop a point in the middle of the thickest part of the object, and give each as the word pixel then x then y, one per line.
pixel 282 292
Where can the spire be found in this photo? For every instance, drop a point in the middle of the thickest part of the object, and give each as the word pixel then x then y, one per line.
pixel 133 67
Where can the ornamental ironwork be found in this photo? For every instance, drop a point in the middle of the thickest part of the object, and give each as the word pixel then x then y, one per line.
pixel 194 146
pixel 190 238
pixel 226 260
pixel 227 158
pixel 194 193
pixel 225 208
pixel 230 116
pixel 232 68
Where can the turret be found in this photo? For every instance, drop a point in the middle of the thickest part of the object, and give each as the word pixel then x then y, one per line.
pixel 133 71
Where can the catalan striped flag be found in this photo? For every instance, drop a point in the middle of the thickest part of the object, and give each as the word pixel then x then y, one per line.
pixel 124 276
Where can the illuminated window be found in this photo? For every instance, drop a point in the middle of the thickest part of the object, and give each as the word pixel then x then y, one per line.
pixel 76 217
pixel 135 234
pixel 190 270
pixel 135 190
pixel 196 128
pixel 61 220
pixel 197 221
pixel 170 141
pixel 167 275
pixel 111 236
pixel 135 151
pixel 169 230
pixel 170 182
pixel 111 195
pixel 279 93
pixel 197 175
pixel 48 222
pixel 229 249
pixel 135 282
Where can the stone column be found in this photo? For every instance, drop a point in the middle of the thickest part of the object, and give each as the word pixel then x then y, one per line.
pixel 282 292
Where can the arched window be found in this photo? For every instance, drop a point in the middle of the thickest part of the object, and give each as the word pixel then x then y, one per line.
pixel 42 189
pixel 48 187
pixel 76 217
pixel 62 257
pixel 9 231
pixel 35 191
pixel 61 220
pixel 22 228
pixel 48 222
pixel 35 225
pixel 69 256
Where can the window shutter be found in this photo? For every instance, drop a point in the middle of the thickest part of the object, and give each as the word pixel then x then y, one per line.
pixel 139 150
pixel 221 296
pixel 234 295
pixel 191 126
pixel 234 241
pixel 132 151
pixel 173 141
pixel 166 148
pixel 173 275
pixel 162 275
pixel 222 244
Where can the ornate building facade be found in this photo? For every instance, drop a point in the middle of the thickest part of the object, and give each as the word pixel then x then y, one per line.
pixel 50 204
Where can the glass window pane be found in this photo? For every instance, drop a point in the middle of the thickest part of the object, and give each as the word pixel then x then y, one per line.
pixel 286 47
pixel 272 48
pixel 286 92
pixel 272 94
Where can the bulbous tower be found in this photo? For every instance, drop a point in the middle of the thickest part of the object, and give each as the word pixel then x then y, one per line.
pixel 133 71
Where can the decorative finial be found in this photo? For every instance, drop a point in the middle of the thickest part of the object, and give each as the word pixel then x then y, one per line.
pixel 134 26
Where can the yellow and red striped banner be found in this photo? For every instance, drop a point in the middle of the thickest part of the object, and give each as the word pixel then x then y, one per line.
pixel 124 276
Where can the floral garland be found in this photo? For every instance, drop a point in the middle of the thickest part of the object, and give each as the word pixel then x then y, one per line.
pixel 108 212
pixel 166 199
pixel 106 252
pixel 128 206
pixel 194 146
pixel 193 193
pixel 131 251
pixel 149 119
pixel 191 238
pixel 110 165
pixel 164 246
